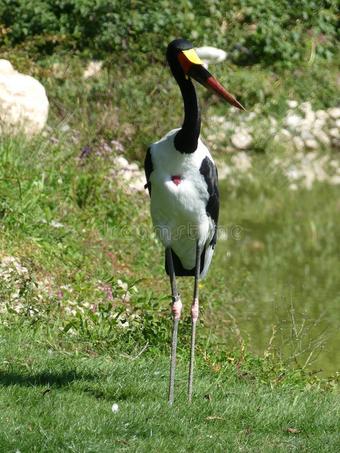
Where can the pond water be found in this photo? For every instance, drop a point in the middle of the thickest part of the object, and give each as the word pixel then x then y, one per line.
pixel 275 278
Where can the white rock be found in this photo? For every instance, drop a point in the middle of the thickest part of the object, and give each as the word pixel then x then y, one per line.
pixel 293 173
pixel 292 104
pixel 241 139
pixel 251 116
pixel 306 134
pixel 241 161
pixel 322 137
pixel 306 106
pixel 92 69
pixel 133 178
pixel 211 55
pixel 337 123
pixel 293 121
pixel 133 166
pixel 311 143
pixel 115 408
pixel 6 67
pixel 334 112
pixel 224 171
pixel 121 162
pixel 217 119
pixel 321 114
pixel 228 125
pixel 334 132
pixel 59 70
pixel 319 123
pixel 309 116
pixel 283 135
pixel 298 143
pixel 23 102
pixel 334 180
pixel 335 164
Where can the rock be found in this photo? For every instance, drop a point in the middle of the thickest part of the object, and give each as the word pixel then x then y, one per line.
pixel 211 55
pixel 224 171
pixel 293 173
pixel 292 104
pixel 241 161
pixel 319 123
pixel 217 119
pixel 335 180
pixel 334 112
pixel 306 134
pixel 250 116
pixel 322 137
pixel 23 102
pixel 59 70
pixel 293 121
pixel 309 117
pixel 241 139
pixel 92 69
pixel 121 162
pixel 306 106
pixel 128 175
pixel 283 135
pixel 298 143
pixel 311 143
pixel 334 132
pixel 321 114
pixel 115 408
pixel 228 125
pixel 336 142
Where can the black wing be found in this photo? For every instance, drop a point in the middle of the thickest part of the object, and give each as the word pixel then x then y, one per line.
pixel 148 168
pixel 209 171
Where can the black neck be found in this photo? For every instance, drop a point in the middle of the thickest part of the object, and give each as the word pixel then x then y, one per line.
pixel 186 139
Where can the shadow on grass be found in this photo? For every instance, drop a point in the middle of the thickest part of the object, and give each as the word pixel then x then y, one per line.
pixel 91 384
pixel 44 378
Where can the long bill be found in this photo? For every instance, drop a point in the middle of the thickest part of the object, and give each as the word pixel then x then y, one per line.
pixel 203 76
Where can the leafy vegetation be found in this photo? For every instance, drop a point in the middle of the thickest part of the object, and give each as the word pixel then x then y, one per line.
pixel 283 32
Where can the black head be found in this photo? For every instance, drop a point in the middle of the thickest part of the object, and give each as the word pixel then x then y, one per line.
pixel 185 64
pixel 178 45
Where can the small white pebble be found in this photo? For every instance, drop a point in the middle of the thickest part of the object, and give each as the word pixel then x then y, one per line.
pixel 115 408
pixel 292 104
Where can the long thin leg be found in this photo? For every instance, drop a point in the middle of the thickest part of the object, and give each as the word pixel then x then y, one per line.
pixel 176 312
pixel 194 317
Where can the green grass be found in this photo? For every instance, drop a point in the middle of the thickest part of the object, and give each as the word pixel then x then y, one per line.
pixel 58 398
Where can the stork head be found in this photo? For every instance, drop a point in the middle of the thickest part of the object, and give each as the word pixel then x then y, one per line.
pixel 183 60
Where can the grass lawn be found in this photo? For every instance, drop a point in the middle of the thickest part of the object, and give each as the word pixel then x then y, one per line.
pixel 55 397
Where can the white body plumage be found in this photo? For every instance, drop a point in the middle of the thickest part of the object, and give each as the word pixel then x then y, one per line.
pixel 178 210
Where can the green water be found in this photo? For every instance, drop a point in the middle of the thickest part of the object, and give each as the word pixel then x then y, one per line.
pixel 275 278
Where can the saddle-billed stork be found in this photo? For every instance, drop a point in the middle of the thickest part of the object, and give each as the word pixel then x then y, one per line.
pixel 182 182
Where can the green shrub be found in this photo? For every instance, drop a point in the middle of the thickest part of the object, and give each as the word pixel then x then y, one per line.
pixel 268 31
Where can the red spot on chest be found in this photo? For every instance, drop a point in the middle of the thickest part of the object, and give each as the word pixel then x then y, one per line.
pixel 176 179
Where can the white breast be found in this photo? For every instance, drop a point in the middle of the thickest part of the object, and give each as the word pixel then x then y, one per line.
pixel 179 211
